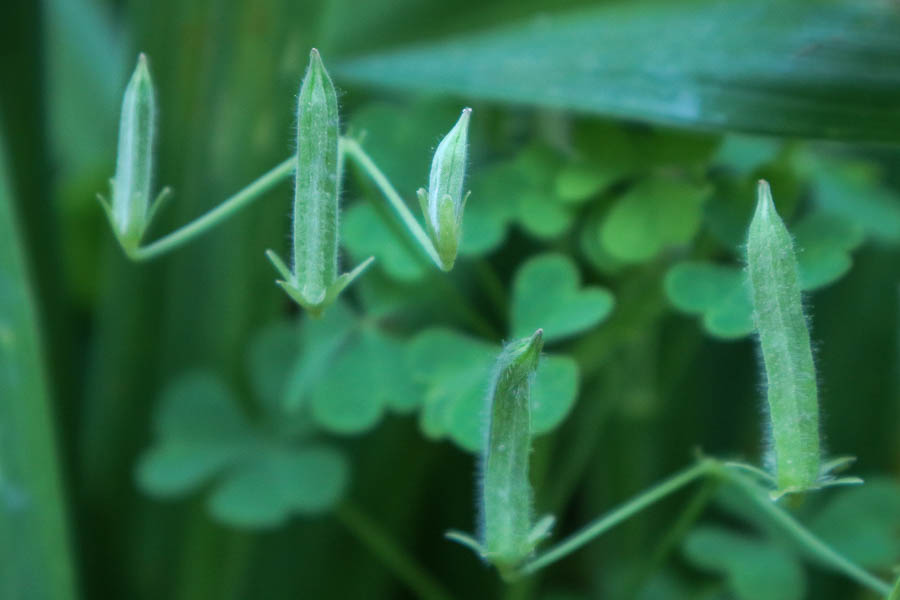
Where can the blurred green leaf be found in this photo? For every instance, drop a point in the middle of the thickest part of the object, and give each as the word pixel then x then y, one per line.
pixel 754 568
pixel 34 554
pixel 521 190
pixel 262 477
pixel 855 192
pixel 716 292
pixel 454 372
pixel 745 153
pixel 546 294
pixel 350 373
pixel 789 68
pixel 278 483
pixel 728 211
pixel 365 233
pixel 863 523
pixel 719 294
pixel 652 215
pixel 823 245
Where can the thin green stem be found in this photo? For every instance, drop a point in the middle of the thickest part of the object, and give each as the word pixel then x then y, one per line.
pixel 758 496
pixel 351 148
pixel 674 534
pixel 393 556
pixel 224 210
pixel 613 518
pixel 803 536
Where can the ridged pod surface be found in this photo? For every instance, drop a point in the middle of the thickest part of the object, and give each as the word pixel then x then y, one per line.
pixel 130 209
pixel 316 184
pixel 785 344
pixel 506 508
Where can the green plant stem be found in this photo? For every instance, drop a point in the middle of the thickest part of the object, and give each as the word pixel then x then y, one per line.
pixel 613 518
pixel 352 148
pixel 393 556
pixel 230 206
pixel 674 535
pixel 803 536
pixel 711 467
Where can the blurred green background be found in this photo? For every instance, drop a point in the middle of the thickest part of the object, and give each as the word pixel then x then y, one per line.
pixel 146 450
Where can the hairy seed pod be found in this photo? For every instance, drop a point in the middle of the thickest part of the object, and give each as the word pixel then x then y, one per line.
pixel 312 281
pixel 506 499
pixel 316 184
pixel 443 203
pixel 786 349
pixel 131 187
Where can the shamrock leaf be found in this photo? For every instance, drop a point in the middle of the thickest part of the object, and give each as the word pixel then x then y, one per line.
pixel 365 232
pixel 520 190
pixel 454 371
pixel 754 568
pixel 349 374
pixel 201 437
pixel 199 432
pixel 854 191
pixel 719 293
pixel 277 482
pixel 824 242
pixel 546 295
pixel 654 214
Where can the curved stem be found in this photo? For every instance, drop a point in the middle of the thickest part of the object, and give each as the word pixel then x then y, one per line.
pixel 393 556
pixel 218 214
pixel 352 149
pixel 803 536
pixel 613 518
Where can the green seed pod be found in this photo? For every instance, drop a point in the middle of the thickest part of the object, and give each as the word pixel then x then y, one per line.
pixel 312 280
pixel 786 349
pixel 316 183
pixel 443 204
pixel 130 211
pixel 507 532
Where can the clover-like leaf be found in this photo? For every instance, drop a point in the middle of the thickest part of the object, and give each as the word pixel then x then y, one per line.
pixel 755 568
pixel 280 482
pixel 546 295
pixel 719 293
pixel 855 192
pixel 200 432
pixel 365 233
pixel 454 371
pixel 520 190
pixel 824 243
pixel 863 523
pixel 656 213
pixel 716 292
pixel 349 374
pixel 260 478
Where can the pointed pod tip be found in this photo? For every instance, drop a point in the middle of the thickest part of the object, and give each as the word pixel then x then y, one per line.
pixel 765 206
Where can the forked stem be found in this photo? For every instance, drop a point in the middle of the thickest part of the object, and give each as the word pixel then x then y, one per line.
pixel 714 468
pixel 230 206
pixel 352 149
pixel 613 518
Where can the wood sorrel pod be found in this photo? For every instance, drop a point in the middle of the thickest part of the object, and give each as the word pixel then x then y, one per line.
pixel 130 210
pixel 312 280
pixel 786 350
pixel 443 203
pixel 508 534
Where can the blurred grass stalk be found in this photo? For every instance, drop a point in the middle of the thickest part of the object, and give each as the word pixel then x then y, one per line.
pixel 34 553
